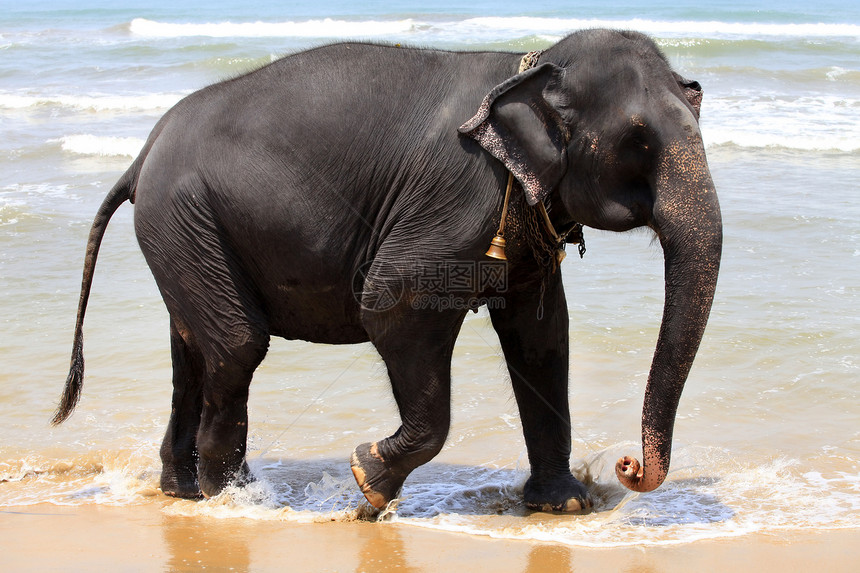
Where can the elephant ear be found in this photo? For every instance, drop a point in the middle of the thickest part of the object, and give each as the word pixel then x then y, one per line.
pixel 692 92
pixel 520 124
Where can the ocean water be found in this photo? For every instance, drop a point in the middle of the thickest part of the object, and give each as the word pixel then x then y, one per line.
pixel 767 437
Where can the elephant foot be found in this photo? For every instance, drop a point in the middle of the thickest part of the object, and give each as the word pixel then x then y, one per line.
pixel 214 477
pixel 180 482
pixel 378 482
pixel 563 493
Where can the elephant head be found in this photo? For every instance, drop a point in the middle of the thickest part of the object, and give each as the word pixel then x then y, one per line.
pixel 605 132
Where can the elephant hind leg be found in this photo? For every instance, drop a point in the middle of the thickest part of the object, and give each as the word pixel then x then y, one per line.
pixel 219 335
pixel 232 342
pixel 179 447
pixel 204 446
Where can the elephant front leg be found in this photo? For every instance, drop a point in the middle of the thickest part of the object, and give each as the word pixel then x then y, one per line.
pixel 379 479
pixel 535 346
pixel 417 352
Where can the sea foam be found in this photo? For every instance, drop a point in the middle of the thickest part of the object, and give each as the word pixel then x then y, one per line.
pixel 325 28
pixel 806 123
pixel 154 102
pixel 484 28
pixel 101 146
pixel 711 495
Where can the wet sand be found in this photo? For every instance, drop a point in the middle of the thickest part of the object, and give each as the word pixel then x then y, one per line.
pixel 143 538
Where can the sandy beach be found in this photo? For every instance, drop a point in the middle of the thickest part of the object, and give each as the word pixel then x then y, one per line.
pixel 143 538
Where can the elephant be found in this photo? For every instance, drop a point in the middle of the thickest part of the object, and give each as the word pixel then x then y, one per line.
pixel 320 197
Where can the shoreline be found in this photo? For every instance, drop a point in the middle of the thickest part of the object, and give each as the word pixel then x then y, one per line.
pixel 144 538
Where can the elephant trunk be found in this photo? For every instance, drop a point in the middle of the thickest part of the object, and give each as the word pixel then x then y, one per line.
pixel 687 219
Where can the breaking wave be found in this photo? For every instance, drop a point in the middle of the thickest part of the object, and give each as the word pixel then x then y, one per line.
pixel 484 28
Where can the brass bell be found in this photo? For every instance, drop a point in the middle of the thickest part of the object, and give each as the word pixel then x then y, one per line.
pixel 497 245
pixel 497 248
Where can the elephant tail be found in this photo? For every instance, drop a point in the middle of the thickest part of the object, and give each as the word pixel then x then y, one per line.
pixel 121 192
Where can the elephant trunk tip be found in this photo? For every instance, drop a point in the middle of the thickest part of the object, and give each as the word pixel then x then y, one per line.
pixel 633 476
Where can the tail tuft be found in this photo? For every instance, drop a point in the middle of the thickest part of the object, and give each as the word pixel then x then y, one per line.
pixel 74 384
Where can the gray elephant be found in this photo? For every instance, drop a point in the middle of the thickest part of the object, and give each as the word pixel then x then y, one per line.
pixel 316 197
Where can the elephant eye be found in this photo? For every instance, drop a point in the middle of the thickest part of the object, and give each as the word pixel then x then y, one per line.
pixel 638 147
pixel 639 136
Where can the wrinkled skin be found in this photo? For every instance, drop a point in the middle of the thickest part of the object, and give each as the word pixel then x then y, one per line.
pixel 265 203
